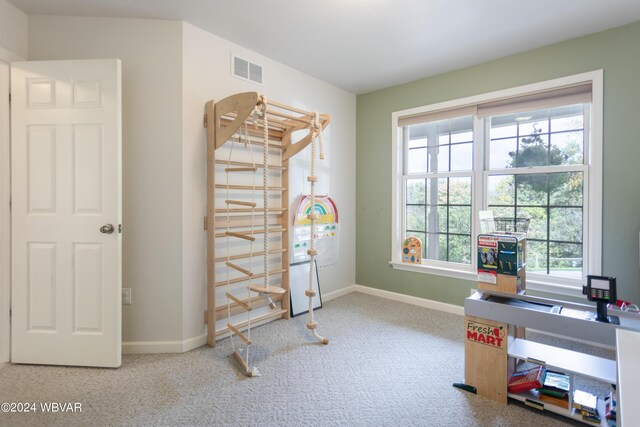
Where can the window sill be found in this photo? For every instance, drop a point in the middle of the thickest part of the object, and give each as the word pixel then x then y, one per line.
pixel 532 284
pixel 438 271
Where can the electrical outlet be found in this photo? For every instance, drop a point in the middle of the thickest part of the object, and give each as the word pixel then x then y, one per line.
pixel 126 296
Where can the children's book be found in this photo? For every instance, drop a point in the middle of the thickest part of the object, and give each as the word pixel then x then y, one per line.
pixel 557 401
pixel 556 381
pixel 526 380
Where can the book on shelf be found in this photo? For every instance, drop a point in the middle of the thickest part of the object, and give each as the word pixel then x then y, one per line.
pixel 586 404
pixel 555 384
pixel 611 406
pixel 553 393
pixel 562 402
pixel 528 379
pixel 591 417
pixel 556 381
pixel 584 401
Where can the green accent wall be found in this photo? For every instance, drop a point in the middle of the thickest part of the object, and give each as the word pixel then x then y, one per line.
pixel 616 51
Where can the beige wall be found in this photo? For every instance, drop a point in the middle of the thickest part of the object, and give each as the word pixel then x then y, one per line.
pixel 13 32
pixel 151 54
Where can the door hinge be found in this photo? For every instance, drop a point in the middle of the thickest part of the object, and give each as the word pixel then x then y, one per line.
pixel 205 222
pixel 204 120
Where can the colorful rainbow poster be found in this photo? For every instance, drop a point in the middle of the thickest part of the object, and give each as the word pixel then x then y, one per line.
pixel 327 229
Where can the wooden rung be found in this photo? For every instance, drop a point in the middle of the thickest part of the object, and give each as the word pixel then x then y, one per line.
pixel 312 252
pixel 272 314
pixel 270 290
pixel 239 202
pixel 239 334
pixel 251 169
pixel 256 133
pixel 238 235
pixel 256 142
pixel 312 325
pixel 244 279
pixel 247 234
pixel 221 312
pixel 312 178
pixel 244 221
pixel 289 108
pixel 304 120
pixel 310 293
pixel 256 210
pixel 248 255
pixel 240 269
pixel 239 302
pixel 248 187
pixel 257 165
pixel 242 363
pixel 313 216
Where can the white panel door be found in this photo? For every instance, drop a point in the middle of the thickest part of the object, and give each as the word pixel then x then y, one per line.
pixel 66 192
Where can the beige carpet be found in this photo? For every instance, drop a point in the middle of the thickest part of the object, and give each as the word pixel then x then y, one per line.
pixel 388 364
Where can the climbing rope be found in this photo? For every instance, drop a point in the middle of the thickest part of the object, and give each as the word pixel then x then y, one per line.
pixel 265 184
pixel 316 134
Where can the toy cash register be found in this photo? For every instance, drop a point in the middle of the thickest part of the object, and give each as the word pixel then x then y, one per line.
pixel 602 290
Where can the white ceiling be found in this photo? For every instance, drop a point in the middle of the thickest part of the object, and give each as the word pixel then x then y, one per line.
pixel 364 45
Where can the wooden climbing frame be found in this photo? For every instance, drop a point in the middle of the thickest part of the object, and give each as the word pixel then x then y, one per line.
pixel 225 121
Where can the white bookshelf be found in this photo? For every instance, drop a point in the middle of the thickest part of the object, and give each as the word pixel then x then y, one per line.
pixel 572 363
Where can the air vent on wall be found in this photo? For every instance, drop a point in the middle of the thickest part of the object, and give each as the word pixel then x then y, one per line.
pixel 246 70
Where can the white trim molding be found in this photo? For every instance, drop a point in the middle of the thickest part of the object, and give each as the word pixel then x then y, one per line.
pixel 146 347
pixel 337 294
pixel 408 299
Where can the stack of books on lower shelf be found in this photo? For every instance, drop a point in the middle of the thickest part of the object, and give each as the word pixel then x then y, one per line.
pixel 586 404
pixel 555 389
pixel 526 380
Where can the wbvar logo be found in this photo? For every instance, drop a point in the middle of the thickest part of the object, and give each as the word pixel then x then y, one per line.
pixel 485 334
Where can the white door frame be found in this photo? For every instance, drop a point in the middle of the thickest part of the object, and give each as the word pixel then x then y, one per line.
pixel 5 215
pixel 6 57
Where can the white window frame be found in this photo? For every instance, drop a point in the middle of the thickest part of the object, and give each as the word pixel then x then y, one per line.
pixel 592 228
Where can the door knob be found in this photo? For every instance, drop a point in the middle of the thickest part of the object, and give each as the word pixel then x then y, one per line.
pixel 107 229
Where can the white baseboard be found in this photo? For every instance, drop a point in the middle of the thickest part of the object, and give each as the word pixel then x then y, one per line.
pixel 339 293
pixel 144 347
pixel 422 302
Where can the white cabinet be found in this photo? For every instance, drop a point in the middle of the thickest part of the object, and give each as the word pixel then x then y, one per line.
pixel 628 348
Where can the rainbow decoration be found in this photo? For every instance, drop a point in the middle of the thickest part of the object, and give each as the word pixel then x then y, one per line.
pixel 327 229
pixel 324 207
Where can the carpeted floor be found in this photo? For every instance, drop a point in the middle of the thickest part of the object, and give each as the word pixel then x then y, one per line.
pixel 388 364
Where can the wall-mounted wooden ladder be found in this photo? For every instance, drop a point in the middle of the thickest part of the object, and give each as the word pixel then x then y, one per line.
pixel 237 221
